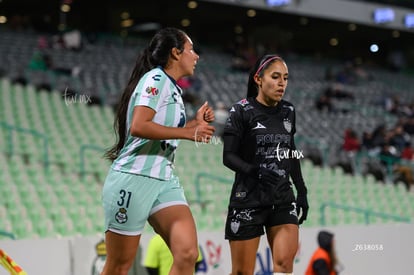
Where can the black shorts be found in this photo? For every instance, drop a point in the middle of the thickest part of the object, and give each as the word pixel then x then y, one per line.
pixel 249 223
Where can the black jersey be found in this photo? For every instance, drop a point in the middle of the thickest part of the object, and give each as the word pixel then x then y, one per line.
pixel 265 137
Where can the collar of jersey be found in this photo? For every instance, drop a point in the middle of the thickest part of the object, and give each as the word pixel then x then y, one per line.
pixel 267 109
pixel 172 79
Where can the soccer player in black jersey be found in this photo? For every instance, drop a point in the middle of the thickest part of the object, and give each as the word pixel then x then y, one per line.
pixel 259 147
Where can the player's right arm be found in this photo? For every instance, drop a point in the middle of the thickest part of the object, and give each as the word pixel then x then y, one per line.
pixel 143 126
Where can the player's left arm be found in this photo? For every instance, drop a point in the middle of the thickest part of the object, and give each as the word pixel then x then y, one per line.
pixel 302 205
pixel 302 192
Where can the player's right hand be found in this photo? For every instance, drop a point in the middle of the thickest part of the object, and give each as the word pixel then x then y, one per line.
pixel 203 133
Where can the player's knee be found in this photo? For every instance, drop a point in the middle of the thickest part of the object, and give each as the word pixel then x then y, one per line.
pixel 123 270
pixel 244 267
pixel 186 256
pixel 118 268
pixel 241 272
pixel 284 264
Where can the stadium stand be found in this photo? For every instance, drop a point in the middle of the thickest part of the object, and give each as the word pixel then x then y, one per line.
pixel 52 143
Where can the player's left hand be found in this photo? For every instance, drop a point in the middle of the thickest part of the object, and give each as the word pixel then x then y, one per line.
pixel 302 207
pixel 205 114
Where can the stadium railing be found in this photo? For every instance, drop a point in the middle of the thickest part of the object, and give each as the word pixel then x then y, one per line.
pixel 7 234
pixel 366 212
pixel 83 149
pixel 11 129
pixel 197 183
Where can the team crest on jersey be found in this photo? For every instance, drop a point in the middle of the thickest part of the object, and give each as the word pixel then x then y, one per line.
pixel 234 225
pixel 121 216
pixel 151 90
pixel 287 124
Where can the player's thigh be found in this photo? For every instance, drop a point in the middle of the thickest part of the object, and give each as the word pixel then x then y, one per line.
pixel 243 254
pixel 283 240
pixel 121 249
pixel 128 200
pixel 171 215
pixel 176 225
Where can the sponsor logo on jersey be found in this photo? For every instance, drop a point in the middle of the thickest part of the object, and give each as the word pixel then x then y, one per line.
pixel 156 77
pixel 259 126
pixel 240 194
pixel 151 90
pixel 245 215
pixel 232 110
pixel 243 102
pixel 294 212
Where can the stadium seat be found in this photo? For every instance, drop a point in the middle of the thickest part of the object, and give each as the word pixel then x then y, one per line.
pixel 56 200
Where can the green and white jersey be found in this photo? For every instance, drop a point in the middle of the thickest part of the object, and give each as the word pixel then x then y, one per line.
pixel 153 158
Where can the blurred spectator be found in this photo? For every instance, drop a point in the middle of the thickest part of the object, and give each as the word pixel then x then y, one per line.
pixel 158 259
pixel 190 85
pixel 398 138
pixel 42 42
pixel 362 74
pixel 409 126
pixel 58 42
pixel 407 156
pixel 399 107
pixel 324 104
pixel 346 74
pixel 392 104
pixel 324 260
pixel 44 62
pixel 75 71
pixel 389 156
pixel 408 152
pixel 37 62
pixel 196 83
pixel 391 160
pixel 338 91
pixel 351 142
pixel 379 136
pixel 351 73
pixel 404 174
pixel 335 91
pixel 184 83
pixel 367 141
pixel 72 40
pixel 350 146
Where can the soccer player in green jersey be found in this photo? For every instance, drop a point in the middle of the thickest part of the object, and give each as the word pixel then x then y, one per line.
pixel 140 185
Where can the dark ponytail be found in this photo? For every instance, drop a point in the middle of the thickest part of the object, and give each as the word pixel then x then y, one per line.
pixel 156 54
